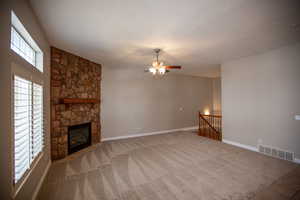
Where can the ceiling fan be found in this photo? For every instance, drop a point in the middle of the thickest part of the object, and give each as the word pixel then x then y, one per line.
pixel 158 67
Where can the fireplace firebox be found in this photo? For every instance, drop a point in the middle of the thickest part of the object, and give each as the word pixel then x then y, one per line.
pixel 79 137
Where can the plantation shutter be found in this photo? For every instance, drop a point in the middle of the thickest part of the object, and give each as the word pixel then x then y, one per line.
pixel 37 127
pixel 22 125
pixel 28 124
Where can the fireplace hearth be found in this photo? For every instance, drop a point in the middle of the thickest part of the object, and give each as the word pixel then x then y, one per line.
pixel 79 137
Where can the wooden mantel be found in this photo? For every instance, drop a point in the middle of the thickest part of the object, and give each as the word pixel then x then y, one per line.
pixel 79 100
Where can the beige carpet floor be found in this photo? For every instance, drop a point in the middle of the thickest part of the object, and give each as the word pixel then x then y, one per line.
pixel 171 166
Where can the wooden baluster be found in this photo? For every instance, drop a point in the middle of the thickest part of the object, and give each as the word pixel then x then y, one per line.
pixel 207 127
pixel 199 124
pixel 206 131
pixel 220 128
pixel 201 127
pixel 201 121
pixel 220 125
pixel 214 121
pixel 213 124
pixel 210 131
pixel 217 124
pixel 204 124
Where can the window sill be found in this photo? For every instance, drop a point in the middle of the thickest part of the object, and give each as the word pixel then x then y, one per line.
pixel 18 186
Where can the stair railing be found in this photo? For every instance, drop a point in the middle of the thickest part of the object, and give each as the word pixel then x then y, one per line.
pixel 210 126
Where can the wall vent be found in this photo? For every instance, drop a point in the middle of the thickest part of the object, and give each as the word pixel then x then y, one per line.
pixel 275 152
pixel 268 150
pixel 281 154
pixel 289 156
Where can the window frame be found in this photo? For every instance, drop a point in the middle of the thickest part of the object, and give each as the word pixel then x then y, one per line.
pixel 22 37
pixel 34 74
pixel 19 184
pixel 18 26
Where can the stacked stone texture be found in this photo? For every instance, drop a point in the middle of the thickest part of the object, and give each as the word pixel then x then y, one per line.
pixel 72 77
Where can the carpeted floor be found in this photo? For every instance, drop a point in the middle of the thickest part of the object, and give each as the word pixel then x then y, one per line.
pixel 172 166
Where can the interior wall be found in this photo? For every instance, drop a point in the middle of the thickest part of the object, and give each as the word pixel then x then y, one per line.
pixel 260 98
pixel 217 100
pixel 8 60
pixel 135 102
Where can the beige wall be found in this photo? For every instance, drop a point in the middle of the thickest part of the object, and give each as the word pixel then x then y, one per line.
pixel 260 96
pixel 217 104
pixel 8 60
pixel 134 102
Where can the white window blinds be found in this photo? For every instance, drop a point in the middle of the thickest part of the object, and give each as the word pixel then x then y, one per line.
pixel 28 124
pixel 37 126
pixel 22 125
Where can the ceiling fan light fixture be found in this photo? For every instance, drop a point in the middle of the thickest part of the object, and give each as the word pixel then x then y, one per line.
pixel 162 70
pixel 158 66
pixel 152 70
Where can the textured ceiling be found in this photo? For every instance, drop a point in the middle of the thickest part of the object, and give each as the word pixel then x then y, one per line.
pixel 198 34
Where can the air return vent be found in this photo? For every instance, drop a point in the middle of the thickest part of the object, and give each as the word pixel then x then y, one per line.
pixel 268 151
pixel 289 156
pixel 275 152
pixel 261 149
pixel 281 154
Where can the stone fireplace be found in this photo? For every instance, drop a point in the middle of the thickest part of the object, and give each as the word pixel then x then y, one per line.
pixel 75 102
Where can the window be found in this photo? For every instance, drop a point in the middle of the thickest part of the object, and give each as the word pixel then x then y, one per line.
pixel 27 110
pixel 21 47
pixel 22 43
pixel 28 124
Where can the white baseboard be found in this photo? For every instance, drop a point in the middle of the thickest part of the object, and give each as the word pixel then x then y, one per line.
pixel 251 148
pixel 244 146
pixel 36 191
pixel 192 128
pixel 151 133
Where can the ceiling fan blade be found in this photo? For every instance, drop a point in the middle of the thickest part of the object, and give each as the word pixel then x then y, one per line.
pixel 172 67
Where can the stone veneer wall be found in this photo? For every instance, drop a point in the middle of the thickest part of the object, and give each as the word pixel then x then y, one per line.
pixel 72 77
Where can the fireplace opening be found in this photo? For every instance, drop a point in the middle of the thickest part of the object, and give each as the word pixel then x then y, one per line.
pixel 79 137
